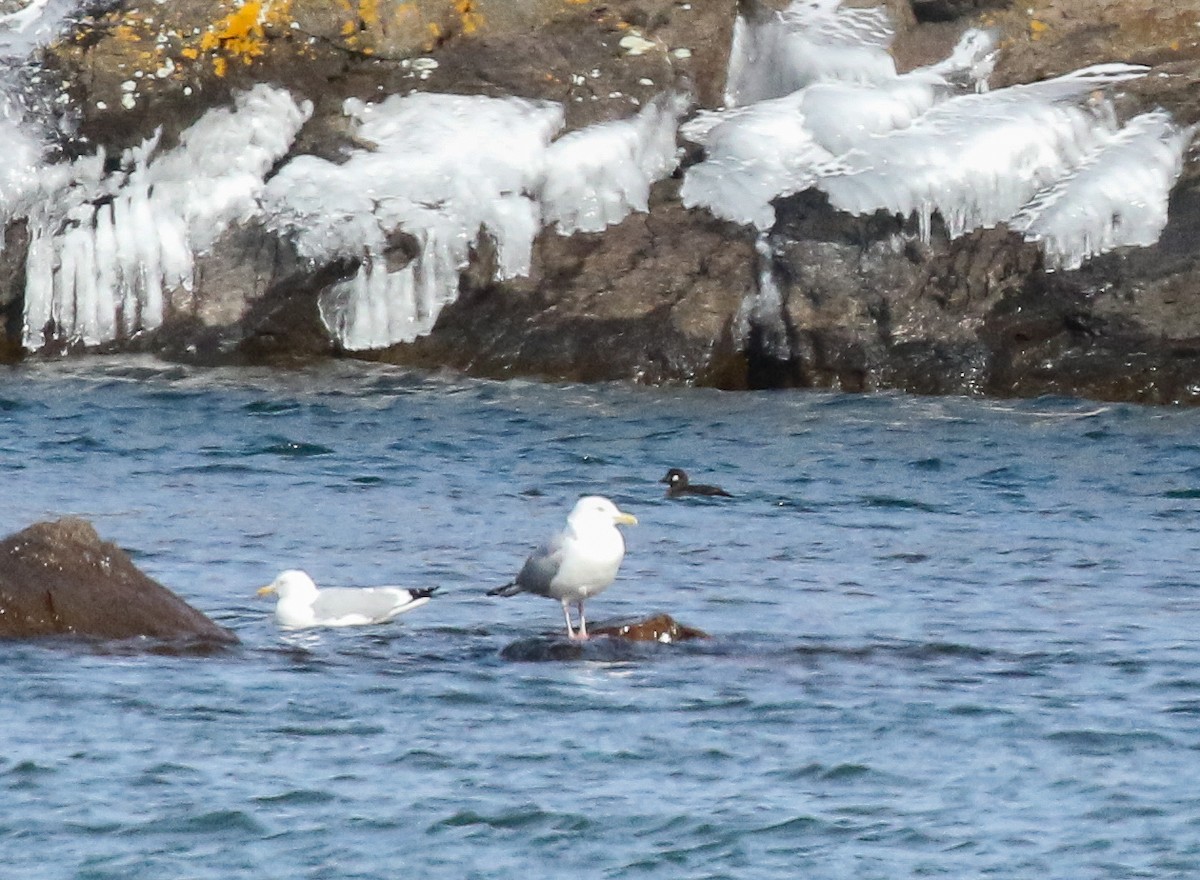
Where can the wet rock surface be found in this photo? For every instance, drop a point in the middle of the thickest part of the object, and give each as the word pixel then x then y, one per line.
pixel 653 300
pixel 59 578
pixel 867 307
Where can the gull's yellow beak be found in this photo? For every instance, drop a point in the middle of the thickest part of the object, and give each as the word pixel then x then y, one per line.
pixel 267 590
pixel 625 519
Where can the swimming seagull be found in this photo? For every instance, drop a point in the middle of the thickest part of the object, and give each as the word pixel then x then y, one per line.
pixel 577 563
pixel 678 486
pixel 302 605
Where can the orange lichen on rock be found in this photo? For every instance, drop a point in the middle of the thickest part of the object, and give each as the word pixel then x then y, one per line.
pixel 362 24
pixel 469 16
pixel 241 35
pixel 368 12
pixel 127 33
pixel 1048 37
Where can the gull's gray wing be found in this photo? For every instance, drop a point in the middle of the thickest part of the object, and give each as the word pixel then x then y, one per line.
pixel 371 603
pixel 541 567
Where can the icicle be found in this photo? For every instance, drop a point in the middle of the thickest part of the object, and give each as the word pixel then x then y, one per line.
pixel 763 310
pixel 105 274
pixel 62 303
pixel 971 62
pixel 149 264
pixel 132 236
pixel 39 287
pixel 79 284
pixel 1116 197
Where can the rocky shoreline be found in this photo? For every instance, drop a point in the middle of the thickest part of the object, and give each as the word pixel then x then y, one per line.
pixel 668 295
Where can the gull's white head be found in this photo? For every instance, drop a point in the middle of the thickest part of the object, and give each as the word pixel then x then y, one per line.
pixel 593 511
pixel 292 585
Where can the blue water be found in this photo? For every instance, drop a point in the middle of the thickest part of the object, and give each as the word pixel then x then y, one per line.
pixel 951 637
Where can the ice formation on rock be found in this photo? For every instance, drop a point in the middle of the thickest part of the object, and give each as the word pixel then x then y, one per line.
pixel 440 170
pixel 108 251
pixel 112 252
pixel 34 24
pixel 1116 196
pixel 814 101
pixel 783 145
pixel 977 159
pixel 775 54
pixel 596 176
pixel 444 169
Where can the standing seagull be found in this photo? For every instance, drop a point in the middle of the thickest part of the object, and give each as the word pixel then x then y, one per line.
pixel 678 486
pixel 302 605
pixel 578 562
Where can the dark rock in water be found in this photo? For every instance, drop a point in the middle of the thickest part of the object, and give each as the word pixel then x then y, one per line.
pixel 541 650
pixel 59 578
pixel 656 628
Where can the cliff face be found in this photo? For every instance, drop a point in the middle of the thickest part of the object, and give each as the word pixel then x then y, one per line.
pixel 982 314
pixel 669 294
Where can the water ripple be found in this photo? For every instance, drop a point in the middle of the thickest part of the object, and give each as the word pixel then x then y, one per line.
pixel 988 671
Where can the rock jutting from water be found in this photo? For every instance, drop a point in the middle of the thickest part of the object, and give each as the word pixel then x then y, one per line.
pixel 656 628
pixel 60 579
pixel 608 641
pixel 587 243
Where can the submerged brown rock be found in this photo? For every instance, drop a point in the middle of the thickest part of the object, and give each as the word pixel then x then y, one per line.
pixel 60 578
pixel 656 628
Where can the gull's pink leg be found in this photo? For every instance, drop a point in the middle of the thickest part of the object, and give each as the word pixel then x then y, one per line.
pixel 582 622
pixel 567 615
